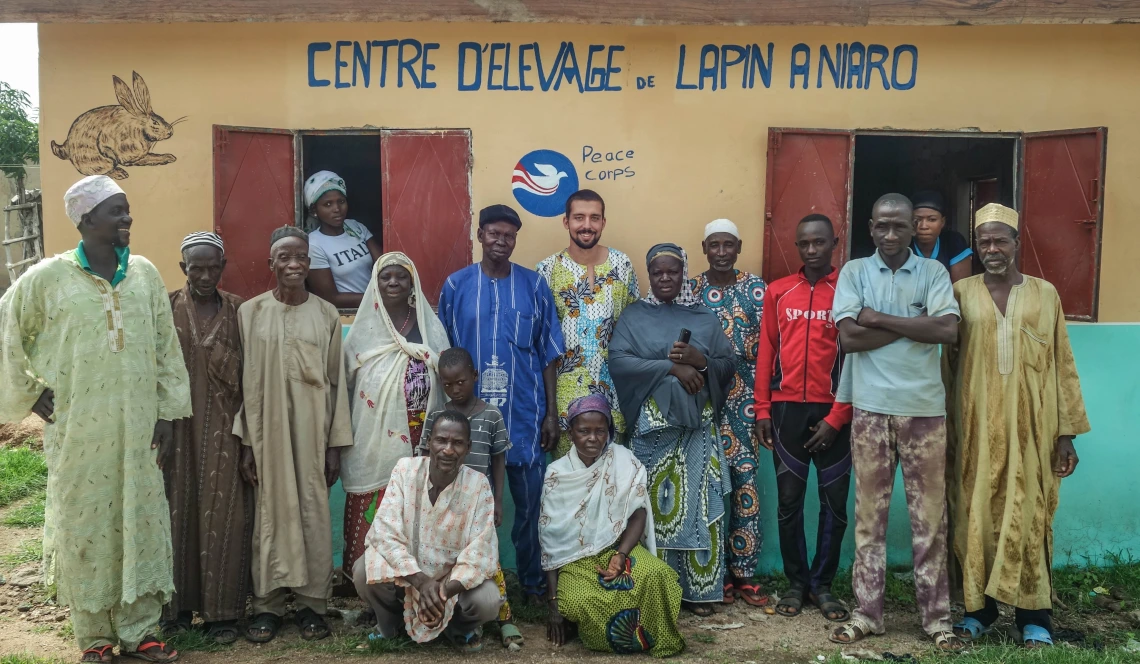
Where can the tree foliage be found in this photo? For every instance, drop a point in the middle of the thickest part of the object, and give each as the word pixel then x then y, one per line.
pixel 19 134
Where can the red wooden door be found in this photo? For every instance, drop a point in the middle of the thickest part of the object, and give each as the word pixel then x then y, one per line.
pixel 1061 209
pixel 254 193
pixel 809 172
pixel 426 195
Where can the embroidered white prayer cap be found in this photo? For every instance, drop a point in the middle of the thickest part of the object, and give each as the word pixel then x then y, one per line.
pixel 84 195
pixel 995 213
pixel 721 226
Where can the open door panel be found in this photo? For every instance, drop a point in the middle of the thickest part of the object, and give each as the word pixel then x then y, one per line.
pixel 809 171
pixel 427 201
pixel 254 193
pixel 1061 214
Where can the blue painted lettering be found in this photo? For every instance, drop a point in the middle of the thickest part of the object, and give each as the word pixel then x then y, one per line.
pixel 595 76
pixel 876 56
pixel 384 46
pixel 855 70
pixel 523 67
pixel 759 64
pixel 314 48
pixel 833 66
pixel 464 49
pixel 425 67
pixel 341 63
pixel 708 70
pixel 611 70
pixel 493 66
pixel 739 54
pixel 899 50
pixel 406 64
pixel 681 72
pixel 800 68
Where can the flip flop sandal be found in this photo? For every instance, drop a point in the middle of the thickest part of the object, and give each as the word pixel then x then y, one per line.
pixel 313 626
pixel 468 644
pixel 153 650
pixel 791 604
pixel 702 610
pixel 752 593
pixel 729 593
pixel 827 603
pixel 179 625
pixel 510 634
pixel 223 632
pixel 852 630
pixel 104 654
pixel 973 628
pixel 1035 636
pixel 266 622
pixel 948 641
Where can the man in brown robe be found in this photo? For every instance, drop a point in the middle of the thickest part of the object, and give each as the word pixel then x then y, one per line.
pixel 211 506
pixel 294 421
pixel 1015 406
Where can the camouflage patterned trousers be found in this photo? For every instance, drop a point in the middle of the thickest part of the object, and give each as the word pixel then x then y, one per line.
pixel 879 443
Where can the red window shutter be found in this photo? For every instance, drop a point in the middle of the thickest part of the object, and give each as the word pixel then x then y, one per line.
pixel 427 201
pixel 254 193
pixel 809 172
pixel 1061 210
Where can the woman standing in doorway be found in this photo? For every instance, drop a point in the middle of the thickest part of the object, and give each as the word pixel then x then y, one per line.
pixel 934 241
pixel 390 357
pixel 341 250
pixel 672 365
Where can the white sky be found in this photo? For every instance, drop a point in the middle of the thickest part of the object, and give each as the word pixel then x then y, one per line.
pixel 19 58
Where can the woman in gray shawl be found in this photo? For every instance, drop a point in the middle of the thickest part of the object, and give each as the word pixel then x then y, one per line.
pixel 672 393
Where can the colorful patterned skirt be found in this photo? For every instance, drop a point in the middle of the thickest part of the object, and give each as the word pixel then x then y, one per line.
pixel 636 612
pixel 687 487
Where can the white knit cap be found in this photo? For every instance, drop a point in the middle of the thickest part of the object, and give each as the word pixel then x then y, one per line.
pixel 721 226
pixel 84 195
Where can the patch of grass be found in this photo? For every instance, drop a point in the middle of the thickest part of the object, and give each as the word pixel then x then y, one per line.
pixel 703 638
pixel 22 473
pixel 193 640
pixel 27 658
pixel 29 551
pixel 66 632
pixel 1115 571
pixel 1010 654
pixel 353 644
pixel 28 515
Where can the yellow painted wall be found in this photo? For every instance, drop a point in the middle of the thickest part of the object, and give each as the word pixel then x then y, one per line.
pixel 698 154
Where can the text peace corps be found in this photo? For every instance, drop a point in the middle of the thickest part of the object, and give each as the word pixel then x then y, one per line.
pixel 529 67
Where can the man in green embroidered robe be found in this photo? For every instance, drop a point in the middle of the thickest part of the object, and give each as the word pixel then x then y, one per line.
pixel 87 342
pixel 1015 405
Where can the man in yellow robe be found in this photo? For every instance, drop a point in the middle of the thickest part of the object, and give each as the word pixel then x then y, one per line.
pixel 293 423
pixel 1015 405
pixel 87 342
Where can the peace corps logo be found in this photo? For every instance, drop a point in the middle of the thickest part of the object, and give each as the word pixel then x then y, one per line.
pixel 542 181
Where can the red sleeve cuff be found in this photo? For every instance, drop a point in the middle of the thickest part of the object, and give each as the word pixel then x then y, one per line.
pixel 763 410
pixel 839 416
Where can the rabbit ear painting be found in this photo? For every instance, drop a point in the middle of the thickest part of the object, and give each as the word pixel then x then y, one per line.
pixel 105 139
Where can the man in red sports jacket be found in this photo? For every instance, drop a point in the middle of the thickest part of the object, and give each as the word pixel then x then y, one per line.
pixel 797 376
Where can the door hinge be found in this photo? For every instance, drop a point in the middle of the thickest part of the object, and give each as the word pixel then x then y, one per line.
pixel 1094 190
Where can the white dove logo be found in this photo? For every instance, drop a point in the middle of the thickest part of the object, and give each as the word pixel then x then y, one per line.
pixel 539 185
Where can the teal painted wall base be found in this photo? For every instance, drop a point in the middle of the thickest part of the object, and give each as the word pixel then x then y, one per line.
pixel 1098 513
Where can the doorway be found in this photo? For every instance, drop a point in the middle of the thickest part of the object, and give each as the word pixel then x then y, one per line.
pixel 356 158
pixel 968 171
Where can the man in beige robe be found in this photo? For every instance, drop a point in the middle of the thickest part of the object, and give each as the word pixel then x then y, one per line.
pixel 1015 406
pixel 293 423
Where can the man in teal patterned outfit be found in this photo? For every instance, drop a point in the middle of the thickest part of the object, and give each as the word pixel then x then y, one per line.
pixel 737 298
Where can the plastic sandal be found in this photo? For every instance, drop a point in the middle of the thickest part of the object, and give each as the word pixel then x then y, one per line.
pixel 1036 635
pixel 791 604
pixel 149 643
pixel 972 627
pixel 729 593
pixel 102 652
pixel 948 641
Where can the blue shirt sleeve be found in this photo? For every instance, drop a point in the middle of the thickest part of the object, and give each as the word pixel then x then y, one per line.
pixel 550 341
pixel 957 247
pixel 446 299
pixel 848 300
pixel 940 299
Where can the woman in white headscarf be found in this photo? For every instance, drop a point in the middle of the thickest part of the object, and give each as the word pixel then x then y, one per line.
pixel 390 362
pixel 341 250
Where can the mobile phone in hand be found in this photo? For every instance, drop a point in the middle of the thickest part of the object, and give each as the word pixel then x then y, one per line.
pixel 685 334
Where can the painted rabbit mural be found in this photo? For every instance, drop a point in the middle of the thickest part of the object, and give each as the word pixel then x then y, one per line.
pixel 105 139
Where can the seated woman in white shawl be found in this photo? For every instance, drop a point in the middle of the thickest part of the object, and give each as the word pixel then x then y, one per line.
pixel 596 532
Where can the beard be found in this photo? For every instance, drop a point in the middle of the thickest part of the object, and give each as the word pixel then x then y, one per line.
pixel 587 245
pixel 997 269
